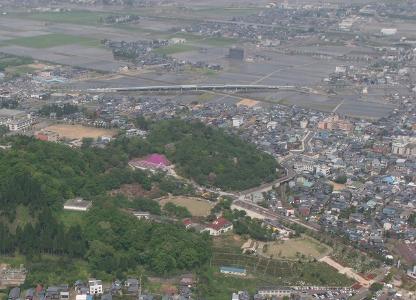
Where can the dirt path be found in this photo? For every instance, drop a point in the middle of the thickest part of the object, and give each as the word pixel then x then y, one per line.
pixel 346 271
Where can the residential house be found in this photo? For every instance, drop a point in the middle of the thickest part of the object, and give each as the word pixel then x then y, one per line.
pixel 218 227
pixel 96 286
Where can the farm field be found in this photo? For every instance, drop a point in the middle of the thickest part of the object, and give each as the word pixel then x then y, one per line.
pixel 283 272
pixel 52 40
pixel 197 207
pixel 295 248
pixel 10 61
pixel 72 17
pixel 78 131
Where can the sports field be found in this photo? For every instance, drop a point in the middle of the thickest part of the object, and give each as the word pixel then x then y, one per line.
pixel 78 131
pixel 197 207
pixel 295 248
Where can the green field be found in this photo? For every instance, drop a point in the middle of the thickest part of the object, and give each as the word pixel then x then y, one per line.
pixel 52 40
pixel 9 61
pixel 73 17
pixel 19 70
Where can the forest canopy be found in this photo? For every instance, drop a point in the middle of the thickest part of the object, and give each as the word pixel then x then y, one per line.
pixel 37 177
pixel 212 157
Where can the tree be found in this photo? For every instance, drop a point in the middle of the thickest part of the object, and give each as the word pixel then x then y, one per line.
pixel 86 142
pixel 376 286
pixel 3 130
pixel 341 179
pixel 211 157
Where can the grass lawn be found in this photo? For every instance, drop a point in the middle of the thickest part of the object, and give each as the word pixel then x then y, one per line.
pixel 172 49
pixel 71 218
pixel 52 40
pixel 295 248
pixel 218 41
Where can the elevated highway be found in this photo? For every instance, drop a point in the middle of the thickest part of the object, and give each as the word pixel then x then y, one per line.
pixel 204 87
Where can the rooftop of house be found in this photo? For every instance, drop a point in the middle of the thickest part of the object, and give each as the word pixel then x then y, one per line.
pixel 232 269
pixel 220 223
pixel 157 159
pixel 78 202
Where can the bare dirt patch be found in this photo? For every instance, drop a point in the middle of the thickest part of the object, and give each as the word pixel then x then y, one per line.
pixel 78 131
pixel 196 206
pixel 248 102
pixel 337 186
pixel 132 191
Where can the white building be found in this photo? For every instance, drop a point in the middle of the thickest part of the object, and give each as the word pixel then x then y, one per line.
pixel 388 31
pixel 96 286
pixel 142 215
pixel 279 292
pixel 346 24
pixel 340 69
pixel 302 166
pixel 176 41
pixel 20 125
pixel 15 120
pixel 303 123
pixel 404 146
pixel 77 204
pixel 233 271
pixel 237 121
pixel 323 170
pixel 271 125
